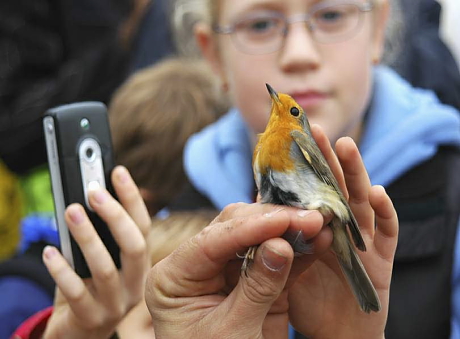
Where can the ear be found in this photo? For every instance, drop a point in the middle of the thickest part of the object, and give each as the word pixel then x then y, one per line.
pixel 381 15
pixel 207 43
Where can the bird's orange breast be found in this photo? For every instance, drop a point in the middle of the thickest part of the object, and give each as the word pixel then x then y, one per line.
pixel 273 151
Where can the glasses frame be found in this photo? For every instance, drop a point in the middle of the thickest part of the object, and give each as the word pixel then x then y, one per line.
pixel 231 29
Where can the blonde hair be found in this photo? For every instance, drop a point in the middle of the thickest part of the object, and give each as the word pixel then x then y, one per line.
pixel 168 234
pixel 154 113
pixel 188 12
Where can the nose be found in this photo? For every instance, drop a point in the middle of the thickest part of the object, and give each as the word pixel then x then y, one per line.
pixel 300 51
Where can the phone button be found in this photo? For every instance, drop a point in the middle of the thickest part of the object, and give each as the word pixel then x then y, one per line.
pixel 94 185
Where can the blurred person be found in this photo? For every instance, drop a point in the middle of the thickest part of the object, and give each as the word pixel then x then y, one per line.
pixel 54 53
pixel 327 55
pixel 423 58
pixel 154 41
pixel 151 117
pixel 51 53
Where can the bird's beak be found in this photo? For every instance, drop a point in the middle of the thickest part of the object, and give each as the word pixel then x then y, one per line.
pixel 273 93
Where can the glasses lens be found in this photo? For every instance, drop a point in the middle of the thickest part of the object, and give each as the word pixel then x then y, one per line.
pixel 335 23
pixel 260 34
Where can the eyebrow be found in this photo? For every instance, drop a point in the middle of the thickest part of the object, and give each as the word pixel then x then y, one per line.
pixel 273 5
pixel 270 5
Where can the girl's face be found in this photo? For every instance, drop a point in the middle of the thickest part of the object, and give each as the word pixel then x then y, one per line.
pixel 331 81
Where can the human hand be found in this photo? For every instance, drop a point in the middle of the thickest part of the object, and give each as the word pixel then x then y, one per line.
pixel 321 305
pixel 198 291
pixel 93 307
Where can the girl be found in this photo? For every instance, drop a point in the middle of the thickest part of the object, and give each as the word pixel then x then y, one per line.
pixel 326 55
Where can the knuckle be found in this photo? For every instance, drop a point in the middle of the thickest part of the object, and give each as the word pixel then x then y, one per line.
pixel 115 313
pixel 131 193
pixel 145 227
pixel 95 321
pixel 259 292
pixel 195 240
pixel 116 213
pixel 106 274
pixel 84 238
pixel 230 210
pixel 77 295
pixel 138 250
pixel 59 268
pixel 358 199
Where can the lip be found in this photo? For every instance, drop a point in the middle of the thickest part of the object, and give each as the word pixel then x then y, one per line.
pixel 310 99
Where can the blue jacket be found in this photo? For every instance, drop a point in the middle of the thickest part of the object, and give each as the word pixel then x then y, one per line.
pixel 405 127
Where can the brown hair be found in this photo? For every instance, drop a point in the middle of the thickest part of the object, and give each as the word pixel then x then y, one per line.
pixel 153 114
pixel 167 234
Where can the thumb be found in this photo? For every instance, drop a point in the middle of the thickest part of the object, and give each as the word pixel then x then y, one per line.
pixel 258 292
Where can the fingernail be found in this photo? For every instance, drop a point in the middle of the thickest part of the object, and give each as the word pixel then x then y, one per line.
pixel 49 252
pixel 272 259
pixel 304 213
pixel 123 175
pixel 99 195
pixel 272 213
pixel 75 214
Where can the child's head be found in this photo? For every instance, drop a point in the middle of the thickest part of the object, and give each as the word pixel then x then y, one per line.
pixel 151 117
pixel 327 68
pixel 167 234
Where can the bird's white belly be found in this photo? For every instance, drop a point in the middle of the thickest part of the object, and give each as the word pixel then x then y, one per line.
pixel 313 193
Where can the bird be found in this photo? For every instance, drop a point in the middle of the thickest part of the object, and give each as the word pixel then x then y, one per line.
pixel 289 169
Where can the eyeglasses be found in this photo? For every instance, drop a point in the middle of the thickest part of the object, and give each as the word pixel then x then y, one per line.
pixel 264 32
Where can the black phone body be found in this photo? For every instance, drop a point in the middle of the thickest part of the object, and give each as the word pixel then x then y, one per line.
pixel 79 149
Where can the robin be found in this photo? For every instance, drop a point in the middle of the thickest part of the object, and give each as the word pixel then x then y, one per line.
pixel 289 169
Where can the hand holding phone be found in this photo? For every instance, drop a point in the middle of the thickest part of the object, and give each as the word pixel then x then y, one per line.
pixel 80 158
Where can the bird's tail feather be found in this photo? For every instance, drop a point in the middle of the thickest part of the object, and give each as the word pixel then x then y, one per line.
pixel 355 273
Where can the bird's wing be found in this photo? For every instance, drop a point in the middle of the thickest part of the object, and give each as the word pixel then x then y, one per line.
pixel 315 158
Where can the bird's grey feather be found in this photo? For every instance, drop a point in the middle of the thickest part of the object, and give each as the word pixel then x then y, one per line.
pixel 354 270
pixel 320 166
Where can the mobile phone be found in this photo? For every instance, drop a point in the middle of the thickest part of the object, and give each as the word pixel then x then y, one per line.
pixel 79 149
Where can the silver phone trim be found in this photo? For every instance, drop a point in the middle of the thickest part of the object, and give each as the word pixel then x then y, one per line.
pixel 56 184
pixel 92 170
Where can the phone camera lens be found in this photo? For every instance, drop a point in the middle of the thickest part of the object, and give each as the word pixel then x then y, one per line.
pixel 90 154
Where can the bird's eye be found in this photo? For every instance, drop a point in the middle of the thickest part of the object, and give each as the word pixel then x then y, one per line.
pixel 295 111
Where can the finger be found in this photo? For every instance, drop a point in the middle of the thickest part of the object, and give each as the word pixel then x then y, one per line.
pixel 202 258
pixel 358 183
pixel 331 158
pixel 386 235
pixel 100 263
pixel 130 198
pixel 255 295
pixel 133 248
pixel 321 244
pixel 241 210
pixel 69 283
